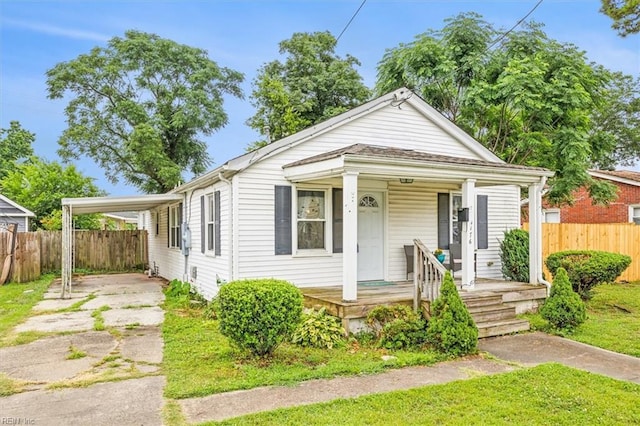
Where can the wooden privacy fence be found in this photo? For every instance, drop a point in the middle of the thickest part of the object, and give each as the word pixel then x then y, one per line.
pixel 621 238
pixel 41 252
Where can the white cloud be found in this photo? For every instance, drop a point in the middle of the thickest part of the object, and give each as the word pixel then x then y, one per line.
pixel 55 31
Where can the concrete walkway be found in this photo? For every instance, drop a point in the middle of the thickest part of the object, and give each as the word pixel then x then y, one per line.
pixel 531 349
pixel 54 370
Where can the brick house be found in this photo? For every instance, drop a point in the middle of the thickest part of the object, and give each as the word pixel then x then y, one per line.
pixel 626 208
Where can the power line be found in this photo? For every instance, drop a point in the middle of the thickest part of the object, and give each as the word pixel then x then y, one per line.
pixel 351 20
pixel 499 39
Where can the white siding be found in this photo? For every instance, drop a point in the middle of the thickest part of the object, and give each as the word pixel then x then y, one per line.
pixel 169 261
pixel 504 214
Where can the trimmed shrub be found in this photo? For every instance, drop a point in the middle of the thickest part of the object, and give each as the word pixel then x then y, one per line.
pixel 397 327
pixel 514 254
pixel 258 314
pixel 451 329
pixel 563 309
pixel 319 330
pixel 588 268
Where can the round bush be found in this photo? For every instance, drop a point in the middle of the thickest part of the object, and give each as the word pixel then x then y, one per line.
pixel 563 309
pixel 588 268
pixel 514 254
pixel 257 315
pixel 451 328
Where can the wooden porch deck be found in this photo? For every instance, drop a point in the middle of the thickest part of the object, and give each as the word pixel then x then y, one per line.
pixel 493 303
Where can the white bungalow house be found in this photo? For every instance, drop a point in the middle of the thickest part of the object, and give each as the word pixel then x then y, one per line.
pixel 334 204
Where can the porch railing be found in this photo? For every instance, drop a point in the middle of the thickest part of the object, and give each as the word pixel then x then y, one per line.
pixel 428 274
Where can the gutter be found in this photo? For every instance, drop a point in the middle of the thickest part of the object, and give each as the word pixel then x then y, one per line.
pixel 541 279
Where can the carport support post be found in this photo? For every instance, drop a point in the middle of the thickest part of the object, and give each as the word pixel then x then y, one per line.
pixel 350 236
pixel 67 250
pixel 467 239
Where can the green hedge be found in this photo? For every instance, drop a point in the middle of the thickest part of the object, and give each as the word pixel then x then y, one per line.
pixel 257 315
pixel 514 254
pixel 588 268
pixel 563 309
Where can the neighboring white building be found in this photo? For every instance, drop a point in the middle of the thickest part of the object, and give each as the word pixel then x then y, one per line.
pixel 13 213
pixel 335 204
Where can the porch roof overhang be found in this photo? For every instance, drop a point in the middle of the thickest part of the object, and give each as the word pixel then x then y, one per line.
pixel 119 204
pixel 392 163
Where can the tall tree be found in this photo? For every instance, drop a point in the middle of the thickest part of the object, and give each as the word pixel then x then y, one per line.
pixel 40 186
pixel 140 107
pixel 625 15
pixel 311 85
pixel 15 145
pixel 528 98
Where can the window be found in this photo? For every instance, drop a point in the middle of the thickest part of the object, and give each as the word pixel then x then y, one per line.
pixel 551 216
pixel 175 213
pixel 449 228
pixel 634 214
pixel 311 220
pixel 211 221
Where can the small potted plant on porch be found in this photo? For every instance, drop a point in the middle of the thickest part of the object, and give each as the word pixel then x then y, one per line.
pixel 439 255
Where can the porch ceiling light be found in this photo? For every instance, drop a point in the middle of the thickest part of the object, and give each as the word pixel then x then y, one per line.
pixel 406 180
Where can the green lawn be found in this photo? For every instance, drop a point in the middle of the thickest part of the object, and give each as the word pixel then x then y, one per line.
pixel 613 321
pixel 199 361
pixel 16 301
pixel 549 394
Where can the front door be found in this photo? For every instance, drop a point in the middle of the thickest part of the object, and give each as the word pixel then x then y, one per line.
pixel 370 236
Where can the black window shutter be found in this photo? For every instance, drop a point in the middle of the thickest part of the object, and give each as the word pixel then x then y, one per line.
pixel 483 221
pixel 443 220
pixel 179 236
pixel 282 219
pixel 337 220
pixel 168 226
pixel 203 224
pixel 216 201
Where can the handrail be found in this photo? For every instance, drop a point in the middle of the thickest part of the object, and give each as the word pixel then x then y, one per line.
pixel 428 274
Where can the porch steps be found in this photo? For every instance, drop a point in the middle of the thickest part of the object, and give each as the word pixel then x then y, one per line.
pixel 491 315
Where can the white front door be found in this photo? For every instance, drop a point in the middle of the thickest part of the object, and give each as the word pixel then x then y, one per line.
pixel 370 236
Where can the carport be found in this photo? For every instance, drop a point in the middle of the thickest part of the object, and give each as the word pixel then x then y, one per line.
pixel 76 206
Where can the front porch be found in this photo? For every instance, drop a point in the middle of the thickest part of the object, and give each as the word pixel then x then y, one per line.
pixel 493 304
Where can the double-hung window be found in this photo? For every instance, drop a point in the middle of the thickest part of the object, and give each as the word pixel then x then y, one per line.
pixel 311 219
pixel 456 204
pixel 174 226
pixel 211 222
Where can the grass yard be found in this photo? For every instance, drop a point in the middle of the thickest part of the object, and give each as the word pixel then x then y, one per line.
pixel 199 361
pixel 549 394
pixel 16 301
pixel 613 319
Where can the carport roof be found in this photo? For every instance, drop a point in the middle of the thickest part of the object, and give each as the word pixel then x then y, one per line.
pixel 118 204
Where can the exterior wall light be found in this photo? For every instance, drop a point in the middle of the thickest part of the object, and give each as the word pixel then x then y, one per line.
pixel 406 180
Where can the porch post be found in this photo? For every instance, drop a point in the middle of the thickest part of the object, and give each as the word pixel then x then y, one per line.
pixel 67 250
pixel 467 239
pixel 350 236
pixel 535 227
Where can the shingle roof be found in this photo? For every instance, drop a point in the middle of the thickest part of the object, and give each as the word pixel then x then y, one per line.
pixel 624 174
pixel 384 152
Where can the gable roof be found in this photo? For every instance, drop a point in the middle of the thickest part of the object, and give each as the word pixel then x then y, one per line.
pixel 396 98
pixel 622 176
pixel 25 212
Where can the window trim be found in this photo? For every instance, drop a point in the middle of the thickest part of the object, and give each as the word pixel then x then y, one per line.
pixel 632 208
pixel 210 237
pixel 453 194
pixel 551 210
pixel 174 228
pixel 328 221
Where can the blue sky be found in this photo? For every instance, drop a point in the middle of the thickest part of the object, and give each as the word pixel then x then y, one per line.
pixel 243 35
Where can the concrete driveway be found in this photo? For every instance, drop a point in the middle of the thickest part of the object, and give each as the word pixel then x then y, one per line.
pixel 107 372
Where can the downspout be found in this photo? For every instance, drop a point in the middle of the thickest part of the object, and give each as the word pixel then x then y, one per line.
pixel 541 279
pixel 230 224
